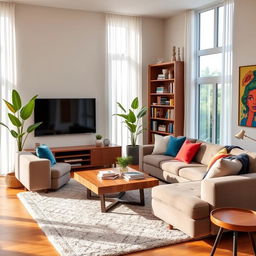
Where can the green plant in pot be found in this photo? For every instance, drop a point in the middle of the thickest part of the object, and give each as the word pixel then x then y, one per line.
pixel 133 120
pixel 98 140
pixel 18 115
pixel 123 163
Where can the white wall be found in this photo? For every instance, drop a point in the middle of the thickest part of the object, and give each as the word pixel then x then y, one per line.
pixel 152 48
pixel 174 34
pixel 244 54
pixel 61 53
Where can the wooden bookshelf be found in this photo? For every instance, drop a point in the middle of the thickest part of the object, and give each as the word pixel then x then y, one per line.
pixel 166 99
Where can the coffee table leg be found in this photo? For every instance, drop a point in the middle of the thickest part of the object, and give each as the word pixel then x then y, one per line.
pixel 142 197
pixel 102 203
pixel 253 242
pixel 235 243
pixel 89 193
pixel 217 240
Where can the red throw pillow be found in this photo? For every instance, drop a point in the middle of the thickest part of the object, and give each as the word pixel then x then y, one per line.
pixel 188 151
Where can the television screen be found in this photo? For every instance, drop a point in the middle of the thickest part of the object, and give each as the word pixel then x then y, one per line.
pixel 65 116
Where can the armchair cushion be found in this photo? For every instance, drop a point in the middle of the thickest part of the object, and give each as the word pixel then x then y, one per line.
pixel 43 151
pixel 60 169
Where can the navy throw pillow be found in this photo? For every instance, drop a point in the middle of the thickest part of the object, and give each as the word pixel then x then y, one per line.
pixel 43 151
pixel 174 145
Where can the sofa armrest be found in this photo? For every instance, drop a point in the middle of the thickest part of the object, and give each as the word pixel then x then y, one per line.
pixel 230 191
pixel 34 172
pixel 143 151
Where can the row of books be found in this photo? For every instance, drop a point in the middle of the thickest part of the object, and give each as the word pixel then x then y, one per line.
pixel 169 114
pixel 165 89
pixel 162 113
pixel 162 127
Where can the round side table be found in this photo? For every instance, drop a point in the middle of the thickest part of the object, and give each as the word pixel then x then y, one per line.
pixel 237 220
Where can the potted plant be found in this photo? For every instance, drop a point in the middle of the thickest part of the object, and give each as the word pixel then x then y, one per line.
pixel 18 115
pixel 98 140
pixel 123 163
pixel 133 120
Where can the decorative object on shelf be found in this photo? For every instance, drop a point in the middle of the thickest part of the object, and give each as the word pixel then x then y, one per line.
pixel 178 57
pixel 133 120
pixel 99 142
pixel 173 53
pixel 165 73
pixel 242 134
pixel 18 116
pixel 106 142
pixel 123 163
pixel 247 96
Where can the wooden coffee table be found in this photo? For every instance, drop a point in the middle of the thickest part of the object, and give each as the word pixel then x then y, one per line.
pixel 104 187
pixel 237 220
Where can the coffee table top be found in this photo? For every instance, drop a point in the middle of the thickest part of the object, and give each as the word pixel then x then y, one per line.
pixel 90 180
pixel 235 219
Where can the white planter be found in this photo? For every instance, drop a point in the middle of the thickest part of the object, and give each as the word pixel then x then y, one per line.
pixel 99 143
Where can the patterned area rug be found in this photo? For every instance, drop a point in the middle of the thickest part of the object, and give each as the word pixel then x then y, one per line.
pixel 76 226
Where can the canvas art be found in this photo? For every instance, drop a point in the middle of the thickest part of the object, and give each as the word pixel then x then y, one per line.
pixel 247 96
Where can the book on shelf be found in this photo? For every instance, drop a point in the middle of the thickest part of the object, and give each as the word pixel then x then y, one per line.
pixel 169 114
pixel 170 128
pixel 160 89
pixel 162 128
pixel 154 126
pixel 171 102
pixel 75 164
pixel 161 76
pixel 171 87
pixel 73 160
pixel 133 175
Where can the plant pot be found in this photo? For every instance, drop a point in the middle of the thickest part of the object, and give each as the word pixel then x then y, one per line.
pixel 123 169
pixel 133 151
pixel 99 143
pixel 11 181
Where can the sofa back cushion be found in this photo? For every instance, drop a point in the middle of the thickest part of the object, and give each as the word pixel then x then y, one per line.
pixel 206 152
pixel 252 158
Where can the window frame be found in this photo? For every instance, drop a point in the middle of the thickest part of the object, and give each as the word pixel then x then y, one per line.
pixel 214 80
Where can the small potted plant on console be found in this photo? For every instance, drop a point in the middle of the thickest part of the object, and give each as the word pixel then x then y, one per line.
pixel 99 140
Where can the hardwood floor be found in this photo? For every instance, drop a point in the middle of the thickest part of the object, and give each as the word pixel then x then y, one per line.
pixel 21 236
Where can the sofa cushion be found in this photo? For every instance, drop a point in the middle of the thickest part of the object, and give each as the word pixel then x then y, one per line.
pixel 206 152
pixel 160 145
pixel 185 197
pixel 174 166
pixel 174 145
pixel 60 169
pixel 156 160
pixel 193 173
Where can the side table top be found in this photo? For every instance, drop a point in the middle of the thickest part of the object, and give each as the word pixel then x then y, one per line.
pixel 235 219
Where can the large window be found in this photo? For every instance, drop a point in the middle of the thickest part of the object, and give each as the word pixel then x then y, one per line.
pixel 209 71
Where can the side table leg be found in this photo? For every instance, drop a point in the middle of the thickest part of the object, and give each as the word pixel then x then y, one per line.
pixel 217 240
pixel 142 197
pixel 235 243
pixel 253 242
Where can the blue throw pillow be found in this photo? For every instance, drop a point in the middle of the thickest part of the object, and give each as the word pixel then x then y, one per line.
pixel 174 145
pixel 43 151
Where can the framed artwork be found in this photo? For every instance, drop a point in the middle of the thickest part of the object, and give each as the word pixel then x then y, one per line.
pixel 247 96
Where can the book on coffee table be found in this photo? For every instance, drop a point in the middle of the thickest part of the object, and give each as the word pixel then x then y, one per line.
pixel 107 175
pixel 133 175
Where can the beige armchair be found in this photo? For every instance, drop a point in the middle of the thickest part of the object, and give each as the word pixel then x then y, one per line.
pixel 36 173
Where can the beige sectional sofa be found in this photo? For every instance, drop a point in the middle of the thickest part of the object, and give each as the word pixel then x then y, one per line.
pixel 187 202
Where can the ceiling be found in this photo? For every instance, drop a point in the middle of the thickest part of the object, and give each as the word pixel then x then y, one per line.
pixel 151 8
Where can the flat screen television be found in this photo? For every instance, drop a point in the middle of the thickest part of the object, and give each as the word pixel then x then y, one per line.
pixel 65 116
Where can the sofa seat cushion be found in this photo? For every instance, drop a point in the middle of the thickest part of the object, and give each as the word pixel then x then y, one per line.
pixel 193 173
pixel 174 166
pixel 184 197
pixel 156 160
pixel 59 169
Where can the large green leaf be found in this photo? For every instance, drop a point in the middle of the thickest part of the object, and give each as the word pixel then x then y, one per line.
pixel 32 127
pixel 122 115
pixel 142 112
pixel 27 110
pixel 121 106
pixel 14 134
pixel 4 125
pixel 131 117
pixel 9 106
pixel 15 121
pixel 16 100
pixel 21 135
pixel 135 103
pixel 132 127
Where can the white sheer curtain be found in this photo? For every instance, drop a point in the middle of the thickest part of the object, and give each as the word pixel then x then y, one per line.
pixel 227 57
pixel 7 81
pixel 190 75
pixel 123 71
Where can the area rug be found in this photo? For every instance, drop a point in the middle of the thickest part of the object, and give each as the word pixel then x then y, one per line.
pixel 76 227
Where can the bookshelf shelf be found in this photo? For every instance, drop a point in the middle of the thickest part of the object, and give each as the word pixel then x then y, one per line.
pixel 165 99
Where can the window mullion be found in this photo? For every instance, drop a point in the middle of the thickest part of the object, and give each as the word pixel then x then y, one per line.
pixel 216 27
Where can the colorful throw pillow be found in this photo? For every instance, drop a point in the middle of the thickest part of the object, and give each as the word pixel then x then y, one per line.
pixel 222 153
pixel 188 151
pixel 160 145
pixel 223 167
pixel 174 145
pixel 43 151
